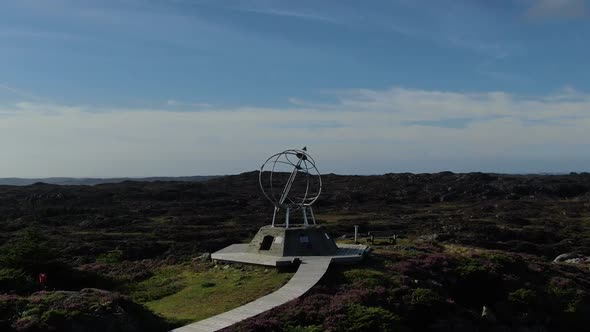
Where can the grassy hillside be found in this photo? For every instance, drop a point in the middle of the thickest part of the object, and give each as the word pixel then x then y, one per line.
pixel 467 241
pixel 418 285
pixel 182 294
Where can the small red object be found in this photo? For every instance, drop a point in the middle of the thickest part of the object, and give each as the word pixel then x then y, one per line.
pixel 42 278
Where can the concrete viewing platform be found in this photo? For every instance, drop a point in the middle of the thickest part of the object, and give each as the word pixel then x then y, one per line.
pixel 309 247
pixel 238 253
pixel 311 270
pixel 301 243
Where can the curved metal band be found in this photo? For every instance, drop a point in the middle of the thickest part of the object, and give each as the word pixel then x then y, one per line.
pixel 308 165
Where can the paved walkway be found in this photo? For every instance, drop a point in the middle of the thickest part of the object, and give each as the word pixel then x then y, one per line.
pixel 309 273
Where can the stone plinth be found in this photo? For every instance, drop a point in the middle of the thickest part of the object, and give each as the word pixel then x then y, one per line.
pixel 292 241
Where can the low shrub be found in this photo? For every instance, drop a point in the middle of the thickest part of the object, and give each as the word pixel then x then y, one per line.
pixel 32 253
pixel 425 298
pixel 87 310
pixel 112 257
pixel 523 297
pixel 15 280
pixel 299 328
pixel 359 318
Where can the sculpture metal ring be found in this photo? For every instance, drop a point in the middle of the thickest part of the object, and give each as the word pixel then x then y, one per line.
pixel 299 169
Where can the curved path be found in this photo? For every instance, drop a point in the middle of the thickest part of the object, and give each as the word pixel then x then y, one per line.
pixel 309 273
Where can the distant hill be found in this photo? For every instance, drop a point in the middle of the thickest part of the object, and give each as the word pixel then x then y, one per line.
pixel 94 181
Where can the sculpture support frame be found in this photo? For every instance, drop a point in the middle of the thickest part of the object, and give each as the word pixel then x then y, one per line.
pixel 304 210
pixel 288 244
pixel 305 164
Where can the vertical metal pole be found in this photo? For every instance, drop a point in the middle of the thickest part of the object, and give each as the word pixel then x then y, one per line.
pixel 305 223
pixel 274 215
pixel 356 232
pixel 287 219
pixel 289 183
pixel 312 216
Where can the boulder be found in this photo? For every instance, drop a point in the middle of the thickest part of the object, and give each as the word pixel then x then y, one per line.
pixel 578 260
pixel 203 257
pixel 487 314
pixel 565 257
pixel 432 237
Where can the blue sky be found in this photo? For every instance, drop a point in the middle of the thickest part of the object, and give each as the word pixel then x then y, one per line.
pixel 178 87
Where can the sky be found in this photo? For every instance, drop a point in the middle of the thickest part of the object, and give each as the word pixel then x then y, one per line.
pixel 199 87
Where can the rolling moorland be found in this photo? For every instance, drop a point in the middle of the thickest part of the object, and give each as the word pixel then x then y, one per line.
pixel 94 181
pixel 475 252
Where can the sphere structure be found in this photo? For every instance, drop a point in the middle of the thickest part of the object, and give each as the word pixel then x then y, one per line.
pixel 291 181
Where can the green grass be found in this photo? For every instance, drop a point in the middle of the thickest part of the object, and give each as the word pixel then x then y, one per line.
pixel 181 294
pixel 368 276
pixel 349 218
pixel 161 219
pixel 113 234
pixel 458 250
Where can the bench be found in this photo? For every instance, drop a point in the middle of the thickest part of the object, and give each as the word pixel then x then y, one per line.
pixel 391 237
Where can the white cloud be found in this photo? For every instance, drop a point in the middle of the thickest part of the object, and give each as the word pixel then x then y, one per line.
pixel 558 8
pixel 288 13
pixel 178 103
pixel 362 131
pixel 19 93
pixel 21 33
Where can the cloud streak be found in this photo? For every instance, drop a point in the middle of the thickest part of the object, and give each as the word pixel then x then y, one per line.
pixel 289 13
pixel 20 93
pixel 385 130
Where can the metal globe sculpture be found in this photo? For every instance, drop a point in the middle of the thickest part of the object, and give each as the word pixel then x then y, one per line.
pixel 291 181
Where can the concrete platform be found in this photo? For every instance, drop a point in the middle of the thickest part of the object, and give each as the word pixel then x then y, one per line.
pixel 238 253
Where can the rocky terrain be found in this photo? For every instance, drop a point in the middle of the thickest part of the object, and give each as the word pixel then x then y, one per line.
pixel 475 251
